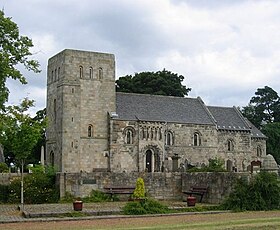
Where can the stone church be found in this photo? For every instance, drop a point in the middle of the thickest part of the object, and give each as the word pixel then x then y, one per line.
pixel 91 128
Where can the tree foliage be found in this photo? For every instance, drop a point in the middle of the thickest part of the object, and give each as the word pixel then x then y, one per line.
pixel 19 132
pixel 264 107
pixel 14 50
pixel 261 193
pixel 263 111
pixel 159 83
pixel 272 131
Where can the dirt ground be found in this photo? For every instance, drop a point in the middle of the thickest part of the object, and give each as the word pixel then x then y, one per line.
pixel 132 223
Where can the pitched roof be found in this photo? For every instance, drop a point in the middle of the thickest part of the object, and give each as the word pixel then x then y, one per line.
pixel 162 108
pixel 255 132
pixel 228 118
pixel 182 110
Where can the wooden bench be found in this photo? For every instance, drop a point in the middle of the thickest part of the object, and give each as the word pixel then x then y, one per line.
pixel 197 190
pixel 118 190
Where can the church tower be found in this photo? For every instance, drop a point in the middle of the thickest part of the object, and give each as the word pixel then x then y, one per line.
pixel 80 94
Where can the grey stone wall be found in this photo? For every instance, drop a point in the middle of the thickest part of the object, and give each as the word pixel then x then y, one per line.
pixel 158 185
pixel 80 93
pixel 219 184
pixel 6 178
pixel 214 144
pixel 165 186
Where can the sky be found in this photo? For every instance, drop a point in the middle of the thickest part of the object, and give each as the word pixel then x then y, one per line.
pixel 225 49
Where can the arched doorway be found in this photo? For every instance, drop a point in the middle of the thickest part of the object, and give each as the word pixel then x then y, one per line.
pixel 149 155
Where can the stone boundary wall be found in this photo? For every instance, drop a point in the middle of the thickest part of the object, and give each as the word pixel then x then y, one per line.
pixel 158 185
pixel 6 178
pixel 219 184
pixel 164 186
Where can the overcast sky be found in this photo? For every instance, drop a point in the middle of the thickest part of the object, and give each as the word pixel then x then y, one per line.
pixel 225 49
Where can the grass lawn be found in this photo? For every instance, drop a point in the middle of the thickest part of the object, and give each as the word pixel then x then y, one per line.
pixel 245 220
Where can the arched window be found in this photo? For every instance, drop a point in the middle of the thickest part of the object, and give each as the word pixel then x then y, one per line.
pixel 259 151
pixel 90 72
pixel 129 136
pixel 58 73
pixel 90 131
pixel 54 110
pixel 81 72
pixel 196 139
pixel 169 138
pixel 230 145
pixel 55 75
pixel 52 77
pixel 100 73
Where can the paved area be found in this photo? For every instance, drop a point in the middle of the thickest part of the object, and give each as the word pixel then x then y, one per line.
pixel 61 212
pixel 47 212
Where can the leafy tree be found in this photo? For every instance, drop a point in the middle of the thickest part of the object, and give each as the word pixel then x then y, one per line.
pixel 264 107
pixel 159 83
pixel 260 193
pixel 272 131
pixel 36 152
pixel 14 50
pixel 19 132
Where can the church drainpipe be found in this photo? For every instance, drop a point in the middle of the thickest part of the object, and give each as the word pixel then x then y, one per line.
pixel 138 148
pixel 163 138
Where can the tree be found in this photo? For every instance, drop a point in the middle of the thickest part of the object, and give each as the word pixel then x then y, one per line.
pixel 264 107
pixel 40 117
pixel 22 133
pixel 159 83
pixel 19 132
pixel 272 131
pixel 14 50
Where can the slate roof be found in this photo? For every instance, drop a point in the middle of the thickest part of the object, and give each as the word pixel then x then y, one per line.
pixel 255 132
pixel 145 107
pixel 162 108
pixel 229 118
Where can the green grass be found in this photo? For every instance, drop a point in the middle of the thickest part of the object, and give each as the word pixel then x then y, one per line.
pixel 248 224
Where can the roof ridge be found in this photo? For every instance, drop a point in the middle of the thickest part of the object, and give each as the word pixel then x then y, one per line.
pixel 242 117
pixel 207 110
pixel 155 95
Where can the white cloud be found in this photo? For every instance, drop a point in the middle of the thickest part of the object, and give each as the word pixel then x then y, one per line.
pixel 225 49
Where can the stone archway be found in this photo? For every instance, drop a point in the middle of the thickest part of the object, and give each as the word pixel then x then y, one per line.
pixel 149 161
pixel 152 158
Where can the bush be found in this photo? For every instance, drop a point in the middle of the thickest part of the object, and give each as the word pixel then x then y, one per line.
pixel 145 206
pixel 261 193
pixel 4 167
pixel 4 193
pixel 139 191
pixel 39 187
pixel 215 165
pixel 98 196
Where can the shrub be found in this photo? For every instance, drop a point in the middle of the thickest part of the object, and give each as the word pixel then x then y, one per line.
pixel 39 187
pixel 146 206
pixel 4 167
pixel 4 193
pixel 139 191
pixel 261 193
pixel 98 196
pixel 215 165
